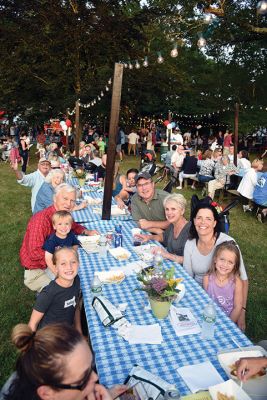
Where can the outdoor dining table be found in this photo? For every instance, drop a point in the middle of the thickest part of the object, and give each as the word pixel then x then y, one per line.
pixel 115 357
pixel 93 212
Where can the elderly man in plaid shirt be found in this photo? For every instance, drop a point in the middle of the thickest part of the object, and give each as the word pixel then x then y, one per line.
pixel 32 255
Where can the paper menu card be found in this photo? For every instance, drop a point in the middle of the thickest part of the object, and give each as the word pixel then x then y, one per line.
pixel 200 376
pixel 183 321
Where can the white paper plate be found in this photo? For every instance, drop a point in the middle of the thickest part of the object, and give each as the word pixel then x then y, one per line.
pixel 120 253
pixel 115 276
pixel 256 387
pixel 88 239
pixel 229 388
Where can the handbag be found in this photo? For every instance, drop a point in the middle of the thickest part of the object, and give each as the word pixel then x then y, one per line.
pixel 106 311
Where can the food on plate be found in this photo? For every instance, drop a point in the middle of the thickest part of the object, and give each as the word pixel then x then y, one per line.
pixel 123 256
pixel 233 372
pixel 221 396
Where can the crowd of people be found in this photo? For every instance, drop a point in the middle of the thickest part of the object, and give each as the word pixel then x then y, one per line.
pixel 50 259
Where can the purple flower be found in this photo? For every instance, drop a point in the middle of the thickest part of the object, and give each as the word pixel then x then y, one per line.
pixel 158 284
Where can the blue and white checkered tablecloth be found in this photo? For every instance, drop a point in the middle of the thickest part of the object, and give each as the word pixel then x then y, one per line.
pixel 115 357
pixel 93 212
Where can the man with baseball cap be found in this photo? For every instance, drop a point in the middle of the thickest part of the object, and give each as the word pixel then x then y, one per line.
pixel 147 204
pixel 35 179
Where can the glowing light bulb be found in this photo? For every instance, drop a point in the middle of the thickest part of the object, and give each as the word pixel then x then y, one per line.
pixel 107 89
pixel 201 42
pixel 125 65
pixel 102 93
pixel 262 7
pixel 208 18
pixel 160 58
pixel 174 52
pixel 98 97
pixel 109 81
pixel 145 63
pixel 130 65
pixel 137 65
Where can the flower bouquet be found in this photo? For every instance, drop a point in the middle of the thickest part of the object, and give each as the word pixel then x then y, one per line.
pixel 161 288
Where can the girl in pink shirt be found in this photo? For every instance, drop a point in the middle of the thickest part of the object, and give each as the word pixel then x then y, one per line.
pixel 222 281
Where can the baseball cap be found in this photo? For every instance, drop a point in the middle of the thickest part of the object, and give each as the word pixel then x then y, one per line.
pixel 43 159
pixel 144 175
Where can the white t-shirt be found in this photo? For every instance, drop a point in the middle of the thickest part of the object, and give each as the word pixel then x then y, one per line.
pixel 177 159
pixel 248 183
pixel 133 138
pixel 177 138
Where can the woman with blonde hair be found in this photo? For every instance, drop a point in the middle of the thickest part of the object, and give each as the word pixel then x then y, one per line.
pixel 248 183
pixel 176 235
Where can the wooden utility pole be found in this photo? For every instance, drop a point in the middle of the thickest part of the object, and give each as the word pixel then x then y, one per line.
pixel 113 128
pixel 77 127
pixel 236 132
pixel 67 132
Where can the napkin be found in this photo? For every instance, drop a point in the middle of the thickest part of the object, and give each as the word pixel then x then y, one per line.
pixel 91 201
pixel 142 334
pixel 200 376
pixel 183 321
pixel 115 211
pixel 132 268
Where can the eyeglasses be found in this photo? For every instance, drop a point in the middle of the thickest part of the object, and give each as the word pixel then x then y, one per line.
pixel 140 185
pixel 83 383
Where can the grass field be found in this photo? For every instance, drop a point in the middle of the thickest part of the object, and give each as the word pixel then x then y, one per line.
pixel 16 300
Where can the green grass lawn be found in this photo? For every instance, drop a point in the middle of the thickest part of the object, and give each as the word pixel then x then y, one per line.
pixel 16 300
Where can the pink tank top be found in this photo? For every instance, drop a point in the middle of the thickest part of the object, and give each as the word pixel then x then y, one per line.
pixel 223 296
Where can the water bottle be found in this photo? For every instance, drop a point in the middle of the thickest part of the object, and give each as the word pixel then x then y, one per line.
pixel 226 224
pixel 158 262
pixel 118 236
pixel 96 286
pixel 208 323
pixel 102 246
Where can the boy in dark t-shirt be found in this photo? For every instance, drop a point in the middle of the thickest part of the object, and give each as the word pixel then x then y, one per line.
pixel 59 301
pixel 62 237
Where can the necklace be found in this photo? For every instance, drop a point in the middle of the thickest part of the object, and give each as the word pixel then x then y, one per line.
pixel 221 280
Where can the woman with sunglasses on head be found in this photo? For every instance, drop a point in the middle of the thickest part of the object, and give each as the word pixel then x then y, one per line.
pixel 55 363
pixel 204 235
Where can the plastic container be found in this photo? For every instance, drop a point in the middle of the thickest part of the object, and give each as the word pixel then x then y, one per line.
pixel 208 322
pixel 158 262
pixel 96 286
pixel 226 224
pixel 102 246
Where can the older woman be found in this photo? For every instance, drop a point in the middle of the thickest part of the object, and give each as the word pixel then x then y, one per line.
pixel 46 192
pixel 204 236
pixel 54 363
pixel 176 235
pixel 223 170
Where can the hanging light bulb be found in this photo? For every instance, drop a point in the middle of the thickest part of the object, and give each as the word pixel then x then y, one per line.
pixel 145 63
pixel 201 42
pixel 137 65
pixel 109 81
pixel 130 65
pixel 160 58
pixel 125 65
pixel 107 88
pixel 262 7
pixel 102 93
pixel 174 52
pixel 99 98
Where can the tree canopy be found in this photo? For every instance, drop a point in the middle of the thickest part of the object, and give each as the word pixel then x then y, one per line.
pixel 54 52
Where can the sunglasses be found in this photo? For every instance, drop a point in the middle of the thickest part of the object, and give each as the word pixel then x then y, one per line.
pixel 83 383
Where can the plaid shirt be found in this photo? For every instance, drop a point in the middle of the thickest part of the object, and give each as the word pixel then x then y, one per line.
pixel 32 255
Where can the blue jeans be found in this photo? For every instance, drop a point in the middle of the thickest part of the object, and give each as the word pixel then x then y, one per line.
pixel 204 179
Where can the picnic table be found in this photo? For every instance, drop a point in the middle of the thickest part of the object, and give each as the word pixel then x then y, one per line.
pixel 93 212
pixel 115 357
